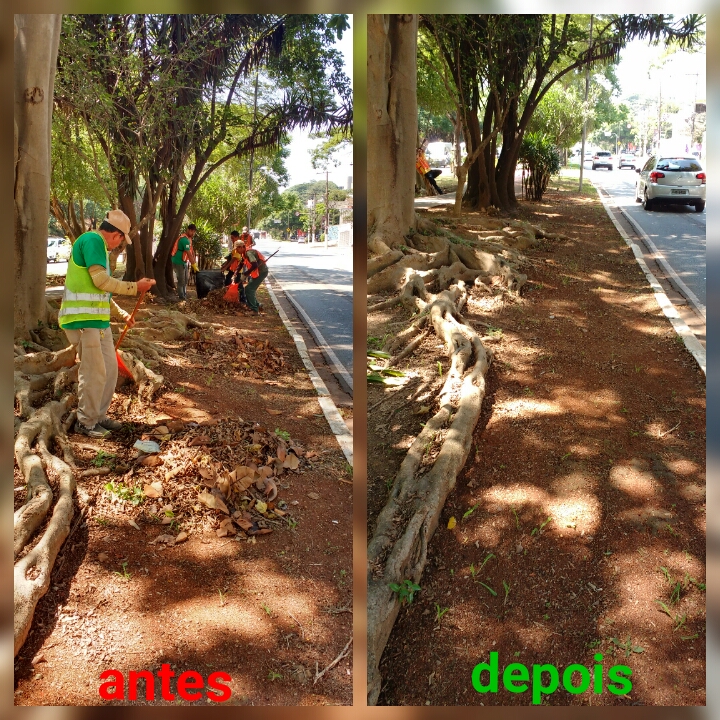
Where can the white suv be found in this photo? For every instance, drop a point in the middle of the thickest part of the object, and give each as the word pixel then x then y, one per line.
pixel 58 249
pixel 677 179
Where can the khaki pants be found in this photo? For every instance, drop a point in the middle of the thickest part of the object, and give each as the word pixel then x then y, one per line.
pixel 97 374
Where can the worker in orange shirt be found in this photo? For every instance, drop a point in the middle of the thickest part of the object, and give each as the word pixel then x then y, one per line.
pixel 423 167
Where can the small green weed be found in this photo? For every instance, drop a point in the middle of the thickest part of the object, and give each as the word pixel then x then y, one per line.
pixel 292 524
pixel 488 588
pixel 103 458
pixel 506 587
pixel 678 620
pixel 267 609
pixel 283 434
pixel 125 575
pixel 440 369
pixel 439 613
pixel 539 530
pixel 405 590
pixel 517 519
pixel 124 493
pixel 627 646
pixel 469 512
pixel 272 675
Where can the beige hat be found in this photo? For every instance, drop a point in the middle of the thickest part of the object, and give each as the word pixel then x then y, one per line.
pixel 238 243
pixel 121 221
pixel 244 228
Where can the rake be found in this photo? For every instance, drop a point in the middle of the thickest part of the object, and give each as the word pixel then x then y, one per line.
pixel 122 368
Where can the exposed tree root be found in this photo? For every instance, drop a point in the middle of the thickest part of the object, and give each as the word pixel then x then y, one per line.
pixel 437 270
pixel 168 325
pixel 146 380
pixel 398 548
pixel 33 570
pixel 45 362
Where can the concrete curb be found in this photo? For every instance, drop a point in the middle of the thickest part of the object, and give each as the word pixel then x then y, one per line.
pixel 337 424
pixel 693 345
pixel 684 289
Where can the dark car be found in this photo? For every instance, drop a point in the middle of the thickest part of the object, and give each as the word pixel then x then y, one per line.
pixel 602 158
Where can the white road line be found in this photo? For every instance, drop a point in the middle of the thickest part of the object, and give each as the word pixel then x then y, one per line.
pixel 335 420
pixel 693 345
pixel 338 367
pixel 684 289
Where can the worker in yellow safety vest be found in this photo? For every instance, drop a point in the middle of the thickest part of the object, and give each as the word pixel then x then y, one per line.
pixel 85 317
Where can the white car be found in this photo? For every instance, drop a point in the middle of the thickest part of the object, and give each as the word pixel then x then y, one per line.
pixel 676 179
pixel 58 249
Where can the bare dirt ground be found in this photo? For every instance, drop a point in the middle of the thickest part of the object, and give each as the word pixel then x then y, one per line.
pixel 269 605
pixel 577 526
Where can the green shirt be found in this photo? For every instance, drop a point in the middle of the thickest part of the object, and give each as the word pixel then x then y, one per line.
pixel 89 249
pixel 183 246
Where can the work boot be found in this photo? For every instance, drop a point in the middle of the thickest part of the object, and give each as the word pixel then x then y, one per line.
pixel 110 424
pixel 98 431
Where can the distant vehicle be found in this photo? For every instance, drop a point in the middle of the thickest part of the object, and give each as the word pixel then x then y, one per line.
pixel 438 153
pixel 301 239
pixel 677 179
pixel 602 158
pixel 627 160
pixel 58 249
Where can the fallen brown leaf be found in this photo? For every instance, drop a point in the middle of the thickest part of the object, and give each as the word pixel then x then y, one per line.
pixel 153 490
pixel 212 501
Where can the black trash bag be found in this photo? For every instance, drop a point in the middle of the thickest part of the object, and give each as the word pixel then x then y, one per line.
pixel 207 280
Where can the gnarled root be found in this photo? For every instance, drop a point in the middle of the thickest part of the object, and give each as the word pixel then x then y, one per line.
pixel 29 388
pixel 32 572
pixel 64 378
pixel 398 548
pixel 44 362
pixel 147 381
pixel 376 264
pixel 168 325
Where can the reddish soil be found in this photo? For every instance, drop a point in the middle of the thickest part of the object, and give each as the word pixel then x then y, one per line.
pixel 270 610
pixel 581 509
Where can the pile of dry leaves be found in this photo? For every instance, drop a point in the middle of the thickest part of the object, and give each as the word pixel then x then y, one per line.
pixel 227 475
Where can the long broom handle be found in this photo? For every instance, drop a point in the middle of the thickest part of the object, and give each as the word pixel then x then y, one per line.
pixel 126 328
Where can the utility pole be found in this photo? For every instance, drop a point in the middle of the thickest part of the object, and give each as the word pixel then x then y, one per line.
pixel 659 114
pixel 587 89
pixel 312 220
pixel 327 210
pixel 252 153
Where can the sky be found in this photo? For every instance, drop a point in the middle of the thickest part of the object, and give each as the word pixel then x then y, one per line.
pixel 683 75
pixel 298 163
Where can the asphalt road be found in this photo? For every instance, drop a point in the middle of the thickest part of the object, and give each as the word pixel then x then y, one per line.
pixel 320 280
pixel 677 231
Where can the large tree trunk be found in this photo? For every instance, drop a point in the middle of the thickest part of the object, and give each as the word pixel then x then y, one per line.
pixel 36 45
pixel 392 125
